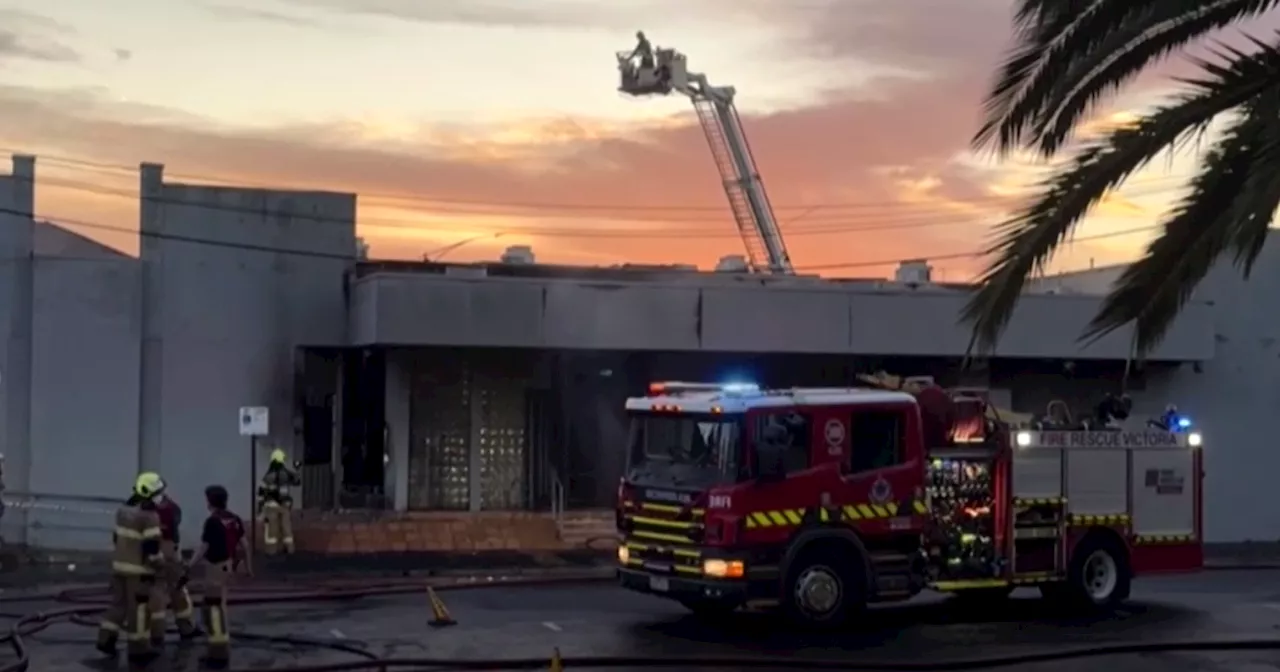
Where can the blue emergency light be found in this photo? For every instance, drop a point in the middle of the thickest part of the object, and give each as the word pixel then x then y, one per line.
pixel 1183 423
pixel 740 388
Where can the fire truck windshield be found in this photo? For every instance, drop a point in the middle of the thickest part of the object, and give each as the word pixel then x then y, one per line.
pixel 684 449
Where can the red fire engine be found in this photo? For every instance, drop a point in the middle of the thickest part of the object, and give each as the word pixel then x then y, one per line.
pixel 823 500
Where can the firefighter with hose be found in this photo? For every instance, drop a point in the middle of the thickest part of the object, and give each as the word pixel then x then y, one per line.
pixel 136 558
pixel 170 590
pixel 276 505
pixel 222 540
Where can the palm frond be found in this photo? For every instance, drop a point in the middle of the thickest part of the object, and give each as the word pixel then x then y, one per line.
pixel 1029 238
pixel 1036 23
pixel 1151 291
pixel 1060 103
pixel 1045 50
pixel 1030 14
pixel 1256 206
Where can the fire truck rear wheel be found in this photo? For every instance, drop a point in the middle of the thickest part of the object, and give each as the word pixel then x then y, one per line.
pixel 1099 576
pixel 823 590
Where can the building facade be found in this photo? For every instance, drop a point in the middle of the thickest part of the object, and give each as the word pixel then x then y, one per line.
pixel 499 386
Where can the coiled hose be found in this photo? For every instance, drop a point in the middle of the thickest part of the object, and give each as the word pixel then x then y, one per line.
pixel 90 603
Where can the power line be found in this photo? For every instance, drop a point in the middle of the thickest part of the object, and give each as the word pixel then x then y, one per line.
pixel 916 221
pixel 968 255
pixel 250 247
pixel 351 257
pixel 461 206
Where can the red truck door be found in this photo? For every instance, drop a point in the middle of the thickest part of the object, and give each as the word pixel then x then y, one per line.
pixel 881 465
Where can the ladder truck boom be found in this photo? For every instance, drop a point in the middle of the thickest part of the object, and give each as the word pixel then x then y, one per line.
pixel 664 71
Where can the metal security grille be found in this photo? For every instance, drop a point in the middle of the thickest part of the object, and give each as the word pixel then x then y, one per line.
pixel 439 457
pixel 502 445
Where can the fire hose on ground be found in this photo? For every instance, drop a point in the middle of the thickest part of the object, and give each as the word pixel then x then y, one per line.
pixel 84 604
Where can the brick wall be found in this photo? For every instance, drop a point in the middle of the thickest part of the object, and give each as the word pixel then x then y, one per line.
pixel 341 533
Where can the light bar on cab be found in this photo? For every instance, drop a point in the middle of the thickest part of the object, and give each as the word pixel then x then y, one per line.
pixel 728 388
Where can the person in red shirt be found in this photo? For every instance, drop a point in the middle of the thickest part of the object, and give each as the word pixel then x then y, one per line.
pixel 170 590
pixel 937 414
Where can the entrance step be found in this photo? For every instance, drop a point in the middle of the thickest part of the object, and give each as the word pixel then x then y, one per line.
pixel 894 575
pixel 596 529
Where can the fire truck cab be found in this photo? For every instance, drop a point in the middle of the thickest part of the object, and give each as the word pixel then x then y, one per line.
pixel 823 500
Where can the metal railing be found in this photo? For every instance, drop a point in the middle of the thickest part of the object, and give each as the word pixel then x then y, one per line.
pixel 54 521
pixel 559 497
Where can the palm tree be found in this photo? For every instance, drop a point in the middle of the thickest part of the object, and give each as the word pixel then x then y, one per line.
pixel 1069 54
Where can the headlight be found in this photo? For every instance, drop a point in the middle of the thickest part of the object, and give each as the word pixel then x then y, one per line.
pixel 1023 439
pixel 1194 439
pixel 723 569
pixel 624 554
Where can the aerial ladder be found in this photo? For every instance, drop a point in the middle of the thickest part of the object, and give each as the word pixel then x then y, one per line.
pixel 665 73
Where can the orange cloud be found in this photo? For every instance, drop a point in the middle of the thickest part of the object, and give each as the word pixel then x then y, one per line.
pixel 860 175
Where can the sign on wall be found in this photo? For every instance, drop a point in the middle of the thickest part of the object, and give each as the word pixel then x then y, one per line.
pixel 1165 481
pixel 255 421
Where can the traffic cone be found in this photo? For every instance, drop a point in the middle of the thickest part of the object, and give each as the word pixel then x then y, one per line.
pixel 439 613
pixel 557 663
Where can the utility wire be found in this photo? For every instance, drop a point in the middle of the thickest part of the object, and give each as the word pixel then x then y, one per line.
pixel 970 255
pixel 465 206
pixel 66 221
pixel 851 225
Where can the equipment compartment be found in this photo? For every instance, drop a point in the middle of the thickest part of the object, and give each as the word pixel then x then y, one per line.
pixel 962 543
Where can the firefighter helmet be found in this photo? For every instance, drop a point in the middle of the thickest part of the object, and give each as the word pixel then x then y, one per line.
pixel 278 456
pixel 148 485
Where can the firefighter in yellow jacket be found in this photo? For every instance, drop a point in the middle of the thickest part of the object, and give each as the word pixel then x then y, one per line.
pixel 136 559
pixel 276 504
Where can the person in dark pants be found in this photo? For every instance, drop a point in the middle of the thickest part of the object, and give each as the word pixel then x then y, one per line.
pixel 277 505
pixel 134 562
pixel 170 589
pixel 222 540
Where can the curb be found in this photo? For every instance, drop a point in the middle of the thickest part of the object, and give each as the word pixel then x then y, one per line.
pixel 1240 566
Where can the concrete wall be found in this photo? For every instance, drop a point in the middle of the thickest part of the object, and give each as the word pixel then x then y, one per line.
pixel 236 280
pixel 110 365
pixel 17 201
pixel 725 314
pixel 1233 397
pixel 69 372
pixel 84 387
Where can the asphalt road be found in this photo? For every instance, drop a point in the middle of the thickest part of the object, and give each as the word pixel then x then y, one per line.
pixel 603 620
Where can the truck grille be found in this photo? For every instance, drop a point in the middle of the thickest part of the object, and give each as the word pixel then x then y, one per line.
pixel 663 537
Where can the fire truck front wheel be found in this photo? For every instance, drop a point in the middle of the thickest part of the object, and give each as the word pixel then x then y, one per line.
pixel 823 589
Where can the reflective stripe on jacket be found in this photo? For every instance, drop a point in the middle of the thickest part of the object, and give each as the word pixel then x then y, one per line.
pixel 137 540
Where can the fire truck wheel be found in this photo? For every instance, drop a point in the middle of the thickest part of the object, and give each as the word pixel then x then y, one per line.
pixel 1099 576
pixel 823 591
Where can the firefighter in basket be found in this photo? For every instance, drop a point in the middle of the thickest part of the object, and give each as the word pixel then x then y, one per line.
pixel 137 557
pixel 170 590
pixel 643 51
pixel 276 505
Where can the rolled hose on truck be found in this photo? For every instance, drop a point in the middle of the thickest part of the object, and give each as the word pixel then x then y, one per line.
pixel 89 603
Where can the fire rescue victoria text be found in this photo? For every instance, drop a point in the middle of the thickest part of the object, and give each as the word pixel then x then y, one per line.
pixel 1109 439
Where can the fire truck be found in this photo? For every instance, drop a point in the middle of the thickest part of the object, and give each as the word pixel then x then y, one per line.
pixel 820 501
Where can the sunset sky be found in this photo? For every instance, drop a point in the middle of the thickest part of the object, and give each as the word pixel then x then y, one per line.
pixel 499 121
